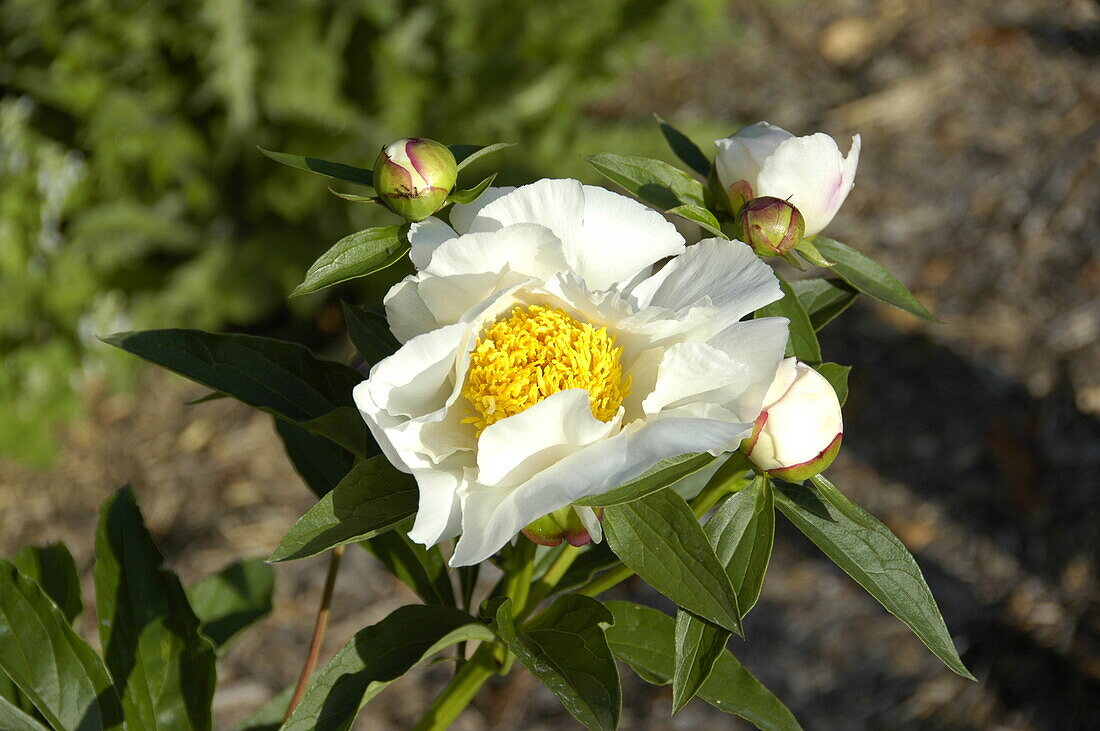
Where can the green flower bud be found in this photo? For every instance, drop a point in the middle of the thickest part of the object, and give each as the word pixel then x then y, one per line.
pixel 550 529
pixel 772 227
pixel 414 177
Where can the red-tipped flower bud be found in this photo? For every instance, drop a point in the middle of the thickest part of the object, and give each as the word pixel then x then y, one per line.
pixel 771 226
pixel 578 525
pixel 799 430
pixel 414 177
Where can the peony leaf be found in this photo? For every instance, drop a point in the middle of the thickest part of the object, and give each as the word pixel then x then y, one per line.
pixel 654 181
pixel 369 333
pixel 52 568
pixel 868 552
pixel 824 299
pixel 869 277
pixel 565 647
pixel 644 639
pixel 375 657
pixel 698 645
pixel 802 342
pixel 701 216
pixel 162 665
pixel 354 256
pixel 837 376
pixel 335 170
pixel 684 148
pixel 742 532
pixel 658 477
pixel 320 462
pixel 12 718
pixel 659 538
pixel 372 498
pixel 471 194
pixel 229 601
pixel 421 569
pixel 269 716
pixel 469 154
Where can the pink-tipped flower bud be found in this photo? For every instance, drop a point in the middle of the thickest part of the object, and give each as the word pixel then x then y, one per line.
pixel 771 226
pixel 576 524
pixel 799 430
pixel 414 176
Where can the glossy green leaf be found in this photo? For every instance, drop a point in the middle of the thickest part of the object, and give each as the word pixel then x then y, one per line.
pixel 564 646
pixel 684 148
pixel 701 216
pixel 335 170
pixel 659 538
pixel 594 559
pixel 355 198
pixel 698 645
pixel 870 277
pixel 269 716
pixel 466 155
pixel 52 567
pixel 742 532
pixel 13 718
pixel 868 552
pixel 374 497
pixel 660 476
pixel 824 299
pixel 362 253
pixel 276 376
pixel 470 195
pixel 656 182
pixel 644 639
pixel 423 570
pixel 231 600
pixel 375 657
pixel 837 376
pixel 369 333
pixel 49 663
pixel 809 252
pixel 161 664
pixel 320 462
pixel 801 341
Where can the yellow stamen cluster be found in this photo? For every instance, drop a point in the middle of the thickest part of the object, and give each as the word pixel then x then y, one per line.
pixel 535 353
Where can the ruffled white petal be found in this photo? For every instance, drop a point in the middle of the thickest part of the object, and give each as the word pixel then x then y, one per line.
pixel 742 156
pixel 755 346
pixel 439 516
pixel 416 379
pixel 812 174
pixel 406 312
pixel 425 237
pixel 463 214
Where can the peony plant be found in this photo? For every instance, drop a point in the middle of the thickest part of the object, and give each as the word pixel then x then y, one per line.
pixel 566 389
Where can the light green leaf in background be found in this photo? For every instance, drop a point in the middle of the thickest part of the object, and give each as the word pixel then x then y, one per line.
pixel 228 602
pixel 870 277
pixel 52 568
pixel 654 181
pixel 357 255
pixel 824 299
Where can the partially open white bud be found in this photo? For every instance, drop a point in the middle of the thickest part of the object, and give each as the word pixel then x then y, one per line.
pixel 799 430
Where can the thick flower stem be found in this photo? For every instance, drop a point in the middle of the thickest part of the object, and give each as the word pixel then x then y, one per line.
pixel 460 691
pixel 318 630
pixel 542 588
pixel 606 580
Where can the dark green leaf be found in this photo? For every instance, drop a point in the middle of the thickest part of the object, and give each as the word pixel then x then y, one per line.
pixel 684 148
pixel 12 718
pixel 232 599
pixel 742 531
pixel 60 674
pixel 653 181
pixel 321 462
pixel 869 277
pixel 824 299
pixel 369 333
pixel 565 647
pixel 595 558
pixel 269 716
pixel 698 645
pixel 468 154
pixel 868 552
pixel 355 198
pixel 644 638
pixel 162 665
pixel 336 170
pixel 660 476
pixel 421 569
pixel 372 498
pixel 837 376
pixel 354 256
pixel 470 195
pixel 52 568
pixel 801 341
pixel 375 657
pixel 701 216
pixel 275 376
pixel 659 538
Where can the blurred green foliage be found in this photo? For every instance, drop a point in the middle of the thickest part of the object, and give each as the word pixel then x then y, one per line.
pixel 131 194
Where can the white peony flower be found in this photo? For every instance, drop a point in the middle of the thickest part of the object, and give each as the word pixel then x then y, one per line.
pixel 798 432
pixel 543 361
pixel 810 172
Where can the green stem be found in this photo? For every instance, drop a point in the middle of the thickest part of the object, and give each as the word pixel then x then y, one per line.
pixel 606 580
pixel 459 692
pixel 545 585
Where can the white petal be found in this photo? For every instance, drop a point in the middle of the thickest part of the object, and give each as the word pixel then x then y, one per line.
pixel 425 237
pixel 406 312
pixel 556 204
pixel 463 213
pixel 812 174
pixel 741 156
pixel 416 379
pixel 590 521
pixel 526 248
pixel 726 274
pixel 514 449
pixel 438 516
pixel 757 347
pixel 491 516
pixel 378 422
pixel 619 238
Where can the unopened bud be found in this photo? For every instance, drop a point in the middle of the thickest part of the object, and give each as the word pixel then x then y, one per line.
pixel 799 430
pixel 772 227
pixel 568 524
pixel 414 177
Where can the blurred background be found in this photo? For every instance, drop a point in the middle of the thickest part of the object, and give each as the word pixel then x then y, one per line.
pixel 132 196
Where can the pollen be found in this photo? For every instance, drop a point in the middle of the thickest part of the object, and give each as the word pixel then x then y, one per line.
pixel 535 353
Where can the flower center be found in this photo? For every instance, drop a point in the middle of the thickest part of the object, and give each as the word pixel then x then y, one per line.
pixel 535 353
